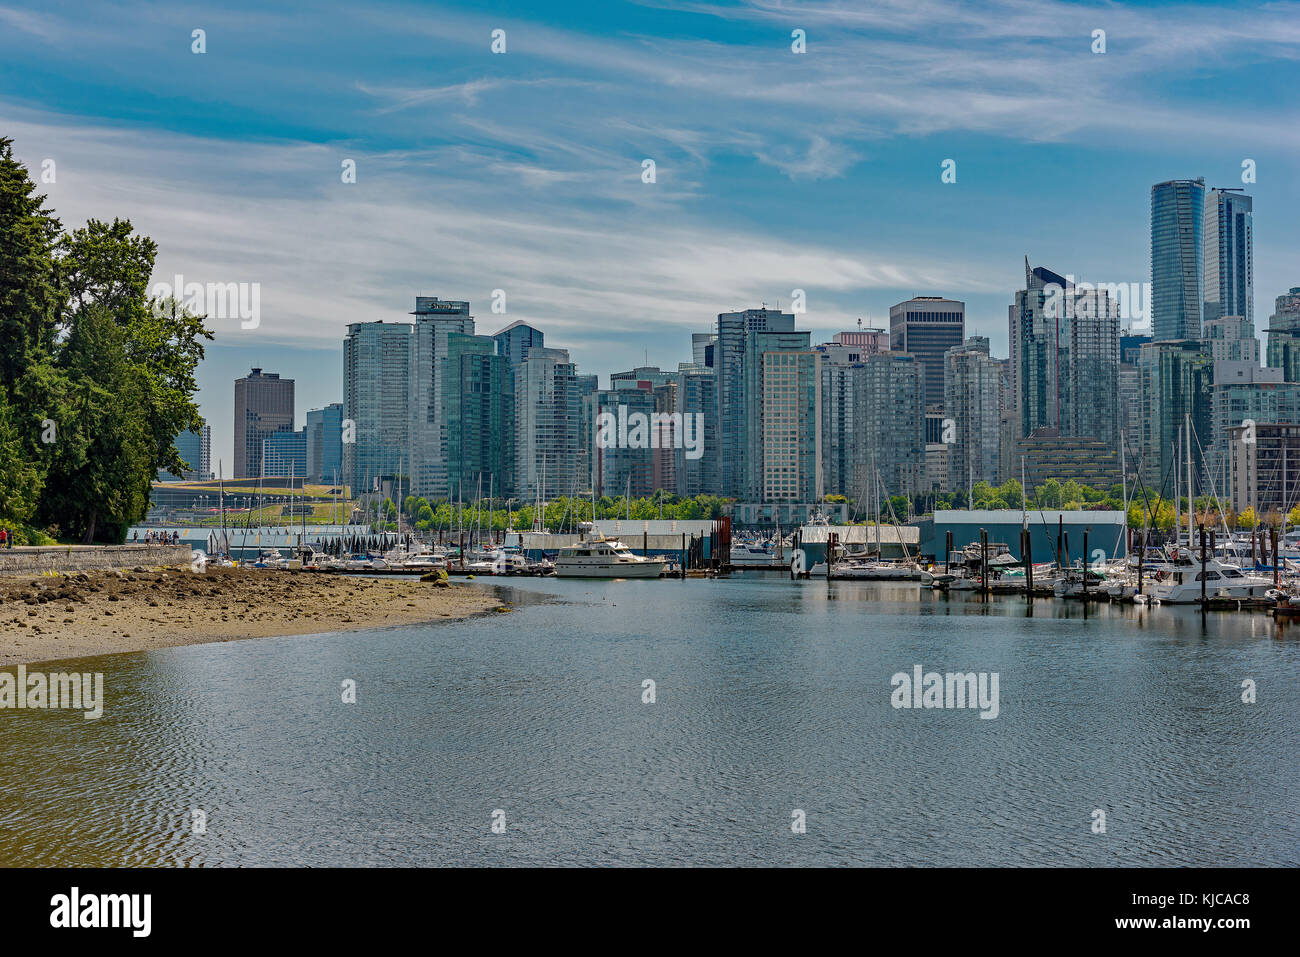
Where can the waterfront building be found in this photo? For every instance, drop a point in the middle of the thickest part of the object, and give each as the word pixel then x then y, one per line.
pixel 325 444
pixel 1176 383
pixel 841 364
pixel 729 358
pixel 972 409
pixel 548 426
pixel 627 463
pixel 1228 255
pixel 1064 340
pixel 263 406
pixel 1245 393
pixel 697 397
pixel 284 455
pixel 1046 454
pixel 1177 248
pixel 1284 335
pixel 764 396
pixel 376 402
pixel 1263 471
pixel 478 400
pixel 927 327
pixel 891 418
pixel 435 321
pixel 791 416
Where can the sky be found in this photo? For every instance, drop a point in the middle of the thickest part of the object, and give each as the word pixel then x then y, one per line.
pixel 523 170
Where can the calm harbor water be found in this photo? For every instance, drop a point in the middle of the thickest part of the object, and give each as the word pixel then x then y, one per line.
pixel 771 696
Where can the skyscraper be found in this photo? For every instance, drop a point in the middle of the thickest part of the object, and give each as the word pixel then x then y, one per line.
pixel 325 444
pixel 760 348
pixel 1177 275
pixel 376 402
pixel 435 320
pixel 891 412
pixel 1229 255
pixel 973 405
pixel 729 358
pixel 1284 335
pixel 479 403
pixel 514 341
pixel 791 412
pixel 927 327
pixel 263 406
pixel 548 420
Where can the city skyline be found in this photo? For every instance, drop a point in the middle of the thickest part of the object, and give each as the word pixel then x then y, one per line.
pixel 816 177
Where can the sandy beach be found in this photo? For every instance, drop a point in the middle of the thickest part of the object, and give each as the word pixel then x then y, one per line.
pixel 97 613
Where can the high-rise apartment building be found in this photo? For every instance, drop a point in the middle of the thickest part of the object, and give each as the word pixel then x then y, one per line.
pixel 1177 247
pixel 376 402
pixel 973 408
pixel 548 423
pixel 1229 257
pixel 478 399
pixel 729 361
pixel 891 409
pixel 435 321
pixel 760 346
pixel 263 406
pixel 1284 335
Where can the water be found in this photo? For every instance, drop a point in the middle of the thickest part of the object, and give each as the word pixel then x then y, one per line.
pixel 772 696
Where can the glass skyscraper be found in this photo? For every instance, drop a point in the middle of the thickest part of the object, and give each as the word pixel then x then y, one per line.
pixel 1177 240
pixel 263 406
pixel 729 358
pixel 435 320
pixel 376 376
pixel 1229 255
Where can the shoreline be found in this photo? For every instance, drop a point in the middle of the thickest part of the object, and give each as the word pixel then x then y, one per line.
pixel 85 614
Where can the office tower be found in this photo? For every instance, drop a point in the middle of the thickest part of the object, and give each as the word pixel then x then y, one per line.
pixel 890 416
pixel 195 450
pixel 548 422
pixel 702 344
pixel 478 398
pixel 1228 254
pixel 284 455
pixel 325 444
pixel 376 402
pixel 790 416
pixel 734 332
pixel 1064 341
pixel 973 406
pixel 514 341
pixel 1284 335
pixel 927 327
pixel 263 406
pixel 1176 383
pixel 759 345
pixel 435 320
pixel 1177 275
pixel 697 401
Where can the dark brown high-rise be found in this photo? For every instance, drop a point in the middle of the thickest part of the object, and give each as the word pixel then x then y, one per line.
pixel 263 406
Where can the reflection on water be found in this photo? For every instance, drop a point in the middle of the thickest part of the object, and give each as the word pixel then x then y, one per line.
pixel 771 696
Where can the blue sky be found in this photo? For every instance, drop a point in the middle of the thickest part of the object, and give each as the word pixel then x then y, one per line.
pixel 522 171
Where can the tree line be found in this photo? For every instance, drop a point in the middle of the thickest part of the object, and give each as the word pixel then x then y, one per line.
pixel 96 377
